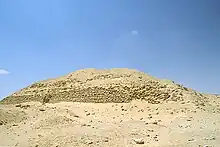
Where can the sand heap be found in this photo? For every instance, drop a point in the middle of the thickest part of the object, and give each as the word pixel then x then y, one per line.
pixel 101 86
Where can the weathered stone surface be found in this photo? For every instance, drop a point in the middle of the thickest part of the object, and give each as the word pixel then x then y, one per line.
pixel 100 86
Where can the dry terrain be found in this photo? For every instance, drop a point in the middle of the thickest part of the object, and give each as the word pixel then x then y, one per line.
pixel 109 108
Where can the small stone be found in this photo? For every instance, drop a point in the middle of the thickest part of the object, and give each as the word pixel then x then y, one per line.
pixel 155 123
pixel 171 112
pixel 83 125
pixel 141 118
pixel 76 115
pixel 106 139
pixel 151 130
pixel 212 138
pixel 180 126
pixel 39 135
pixel 1 122
pixel 87 114
pixel 139 141
pixel 25 106
pixel 89 142
pixel 190 139
pixel 42 109
pixel 18 105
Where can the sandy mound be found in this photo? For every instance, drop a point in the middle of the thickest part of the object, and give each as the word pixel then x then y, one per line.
pixel 130 108
pixel 11 116
pixel 103 86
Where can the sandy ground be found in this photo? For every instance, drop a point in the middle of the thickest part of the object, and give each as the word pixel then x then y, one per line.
pixel 68 124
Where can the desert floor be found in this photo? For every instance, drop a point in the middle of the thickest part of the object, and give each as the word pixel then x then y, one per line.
pixel 138 123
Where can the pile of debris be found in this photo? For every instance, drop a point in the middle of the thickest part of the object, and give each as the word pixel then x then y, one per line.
pixel 119 85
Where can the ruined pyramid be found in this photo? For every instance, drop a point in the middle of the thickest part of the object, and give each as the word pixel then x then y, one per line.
pixel 117 85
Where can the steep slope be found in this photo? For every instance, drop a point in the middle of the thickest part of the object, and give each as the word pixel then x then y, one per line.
pixel 104 86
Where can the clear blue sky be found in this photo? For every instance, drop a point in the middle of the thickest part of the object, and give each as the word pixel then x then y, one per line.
pixel 173 39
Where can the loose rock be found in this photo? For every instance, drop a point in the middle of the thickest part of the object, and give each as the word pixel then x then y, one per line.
pixel 139 141
pixel 42 109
